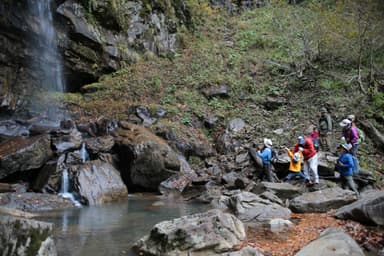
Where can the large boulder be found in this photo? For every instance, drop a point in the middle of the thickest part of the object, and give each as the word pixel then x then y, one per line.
pixel 246 251
pixel 24 237
pixel 332 242
pixel 98 182
pixel 23 154
pixel 322 200
pixel 198 234
pixel 34 202
pixel 281 190
pixel 250 208
pixel 368 210
pixel 145 159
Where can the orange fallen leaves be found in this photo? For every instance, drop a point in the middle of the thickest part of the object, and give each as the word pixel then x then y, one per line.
pixel 307 228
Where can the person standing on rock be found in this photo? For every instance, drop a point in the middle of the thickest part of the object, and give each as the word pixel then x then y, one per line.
pixel 305 145
pixel 325 130
pixel 345 166
pixel 265 153
pixel 351 136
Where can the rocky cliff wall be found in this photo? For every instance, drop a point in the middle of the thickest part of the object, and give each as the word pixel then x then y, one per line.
pixel 94 37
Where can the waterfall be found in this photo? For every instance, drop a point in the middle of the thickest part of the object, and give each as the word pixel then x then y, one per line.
pixel 49 60
pixel 65 189
pixel 84 153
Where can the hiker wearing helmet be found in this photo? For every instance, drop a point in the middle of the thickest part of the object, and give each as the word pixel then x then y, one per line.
pixel 305 145
pixel 325 130
pixel 295 165
pixel 345 166
pixel 265 153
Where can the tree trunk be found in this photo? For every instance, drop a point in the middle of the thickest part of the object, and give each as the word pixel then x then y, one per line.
pixel 374 134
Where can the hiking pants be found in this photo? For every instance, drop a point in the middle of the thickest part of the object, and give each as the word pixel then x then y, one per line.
pixel 325 142
pixel 311 165
pixel 348 181
pixel 292 175
pixel 268 172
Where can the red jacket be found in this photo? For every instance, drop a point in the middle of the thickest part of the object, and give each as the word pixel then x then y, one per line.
pixel 309 149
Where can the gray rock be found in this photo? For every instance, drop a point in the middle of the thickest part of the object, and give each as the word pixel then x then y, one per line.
pixel 24 237
pixel 369 209
pixel 198 234
pixel 250 208
pixel 150 159
pixel 67 141
pixel 332 242
pixel 281 190
pixel 98 182
pixel 12 128
pixel 99 144
pixel 23 154
pixel 246 251
pixel 322 200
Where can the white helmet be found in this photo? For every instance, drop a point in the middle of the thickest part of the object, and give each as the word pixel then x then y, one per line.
pixel 296 157
pixel 268 142
pixel 351 118
pixel 345 123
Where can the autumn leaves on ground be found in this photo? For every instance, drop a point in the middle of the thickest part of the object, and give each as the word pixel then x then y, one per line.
pixel 308 227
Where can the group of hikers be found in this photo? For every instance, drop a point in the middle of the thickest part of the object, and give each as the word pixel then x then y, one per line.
pixel 304 157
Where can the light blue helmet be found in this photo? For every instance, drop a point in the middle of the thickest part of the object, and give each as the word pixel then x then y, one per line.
pixel 296 157
pixel 301 140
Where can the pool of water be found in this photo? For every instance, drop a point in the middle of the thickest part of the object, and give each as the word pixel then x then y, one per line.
pixel 112 229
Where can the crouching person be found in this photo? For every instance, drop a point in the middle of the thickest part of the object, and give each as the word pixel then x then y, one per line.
pixel 345 166
pixel 295 166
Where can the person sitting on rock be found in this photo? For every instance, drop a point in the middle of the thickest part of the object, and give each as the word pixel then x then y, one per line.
pixel 345 166
pixel 305 145
pixel 295 166
pixel 265 153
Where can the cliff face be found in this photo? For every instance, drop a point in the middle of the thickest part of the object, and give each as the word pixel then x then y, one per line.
pixel 94 37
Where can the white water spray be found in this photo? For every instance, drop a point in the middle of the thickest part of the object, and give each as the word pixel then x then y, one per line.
pixel 84 153
pixel 65 189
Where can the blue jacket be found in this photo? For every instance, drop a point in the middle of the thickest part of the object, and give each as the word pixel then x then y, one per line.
pixel 345 164
pixel 265 155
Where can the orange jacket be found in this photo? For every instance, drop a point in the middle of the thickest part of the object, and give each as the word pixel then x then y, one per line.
pixel 295 167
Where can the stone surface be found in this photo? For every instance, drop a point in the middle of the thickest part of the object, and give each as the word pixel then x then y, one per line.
pixel 332 242
pixel 23 237
pixel 198 234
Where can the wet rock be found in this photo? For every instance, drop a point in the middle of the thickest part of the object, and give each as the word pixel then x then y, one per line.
pixel 148 159
pixel 369 209
pixel 67 140
pixel 282 190
pixel 322 200
pixel 34 202
pixel 98 182
pixel 23 154
pixel 333 242
pixel 198 234
pixel 99 144
pixel 250 208
pixel 13 128
pixel 24 237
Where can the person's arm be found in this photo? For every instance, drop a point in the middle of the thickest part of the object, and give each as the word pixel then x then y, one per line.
pixel 295 148
pixel 265 154
pixel 289 152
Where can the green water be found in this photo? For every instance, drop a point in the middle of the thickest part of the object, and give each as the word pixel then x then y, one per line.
pixel 113 228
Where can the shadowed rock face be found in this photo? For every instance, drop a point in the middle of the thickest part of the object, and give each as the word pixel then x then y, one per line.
pixel 24 154
pixel 93 38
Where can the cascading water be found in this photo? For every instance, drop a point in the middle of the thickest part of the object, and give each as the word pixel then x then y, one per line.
pixel 84 153
pixel 47 60
pixel 65 189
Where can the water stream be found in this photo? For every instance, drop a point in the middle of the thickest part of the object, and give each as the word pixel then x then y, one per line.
pixel 112 229
pixel 65 188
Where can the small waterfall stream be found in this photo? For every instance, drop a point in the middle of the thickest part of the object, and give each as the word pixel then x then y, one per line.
pixel 84 153
pixel 65 189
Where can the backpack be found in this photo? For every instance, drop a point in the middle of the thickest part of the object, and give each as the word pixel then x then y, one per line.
pixel 274 157
pixel 361 135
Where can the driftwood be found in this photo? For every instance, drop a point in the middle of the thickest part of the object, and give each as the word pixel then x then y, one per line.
pixel 16 212
pixel 376 136
pixel 5 187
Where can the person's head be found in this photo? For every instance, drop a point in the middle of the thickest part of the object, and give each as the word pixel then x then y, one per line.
pixel 296 157
pixel 345 124
pixel 345 147
pixel 351 118
pixel 323 111
pixel 301 140
pixel 267 142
